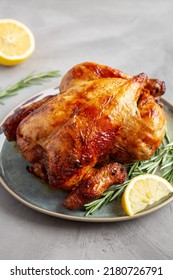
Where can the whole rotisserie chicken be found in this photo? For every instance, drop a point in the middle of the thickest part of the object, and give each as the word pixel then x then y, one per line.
pixel 79 139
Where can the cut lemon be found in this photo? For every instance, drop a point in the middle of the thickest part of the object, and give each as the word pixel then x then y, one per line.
pixel 143 191
pixel 16 42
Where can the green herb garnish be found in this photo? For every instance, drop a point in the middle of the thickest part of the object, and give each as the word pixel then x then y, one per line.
pixel 161 161
pixel 30 80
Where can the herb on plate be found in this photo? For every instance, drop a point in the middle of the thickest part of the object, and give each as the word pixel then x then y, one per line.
pixel 30 80
pixel 161 161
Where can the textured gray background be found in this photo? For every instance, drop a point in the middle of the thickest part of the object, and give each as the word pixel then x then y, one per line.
pixel 131 35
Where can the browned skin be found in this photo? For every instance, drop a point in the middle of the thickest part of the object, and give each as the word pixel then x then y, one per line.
pixel 101 117
pixel 11 124
pixel 94 183
pixel 89 71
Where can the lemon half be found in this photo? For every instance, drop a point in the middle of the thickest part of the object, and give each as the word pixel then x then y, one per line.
pixel 17 42
pixel 143 191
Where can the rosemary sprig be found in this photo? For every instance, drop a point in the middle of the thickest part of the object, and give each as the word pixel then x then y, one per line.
pixel 92 206
pixel 161 161
pixel 29 81
pixel 107 196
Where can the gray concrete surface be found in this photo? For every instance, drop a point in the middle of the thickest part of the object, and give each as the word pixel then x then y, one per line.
pixel 131 35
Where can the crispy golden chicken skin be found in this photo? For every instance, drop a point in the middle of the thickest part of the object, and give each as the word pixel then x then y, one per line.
pixel 77 140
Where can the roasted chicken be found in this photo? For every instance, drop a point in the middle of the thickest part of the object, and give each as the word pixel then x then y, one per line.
pixel 79 139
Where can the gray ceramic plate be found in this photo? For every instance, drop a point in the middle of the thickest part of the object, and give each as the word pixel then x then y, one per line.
pixel 32 192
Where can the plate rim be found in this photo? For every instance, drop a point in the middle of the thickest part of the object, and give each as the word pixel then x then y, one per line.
pixel 74 217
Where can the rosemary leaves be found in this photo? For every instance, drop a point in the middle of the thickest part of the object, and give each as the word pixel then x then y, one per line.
pixel 161 161
pixel 29 81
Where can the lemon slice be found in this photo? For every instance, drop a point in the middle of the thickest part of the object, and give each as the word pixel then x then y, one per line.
pixel 16 42
pixel 143 191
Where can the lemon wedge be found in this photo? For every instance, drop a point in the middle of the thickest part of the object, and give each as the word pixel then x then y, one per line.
pixel 16 42
pixel 143 191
